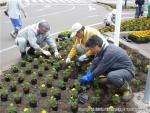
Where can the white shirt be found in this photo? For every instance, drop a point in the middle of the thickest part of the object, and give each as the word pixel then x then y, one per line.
pixel 14 8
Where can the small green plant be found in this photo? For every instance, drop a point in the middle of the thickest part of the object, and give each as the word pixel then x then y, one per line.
pixel 115 99
pixel 15 68
pixel 49 80
pixel 7 77
pixel 33 99
pixel 43 89
pixel 41 59
pixel 56 92
pixel 11 108
pixel 62 85
pixel 136 83
pixel 26 87
pixel 54 73
pixel 1 84
pixel 27 110
pixel 96 100
pixel 23 63
pixel 52 102
pixel 35 63
pixel 90 109
pixel 74 92
pixel 45 65
pixel 17 97
pixel 57 66
pixel 74 104
pixel 28 68
pixel 20 77
pixel 33 78
pixel 110 109
pixel 4 94
pixel 77 85
pixel 29 59
pixel 40 71
pixel 13 86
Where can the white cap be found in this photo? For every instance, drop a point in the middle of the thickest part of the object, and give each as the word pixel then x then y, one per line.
pixel 75 28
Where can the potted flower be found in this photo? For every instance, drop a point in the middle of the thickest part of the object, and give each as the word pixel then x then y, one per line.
pixel 15 68
pixel 73 104
pixel 136 83
pixel 33 78
pixel 43 90
pixel 20 77
pixel 17 97
pixel 56 93
pixel 4 94
pixel 35 63
pixel 12 108
pixel 32 100
pixel 61 85
pixel 96 100
pixel 29 59
pixel 90 109
pixel 110 109
pixel 115 99
pixel 66 75
pixel 49 80
pixel 45 65
pixel 26 87
pixel 53 103
pixel 74 92
pixel 27 110
pixel 13 86
pixel 40 71
pixel 7 77
pixel 54 73
pixel 56 66
pixel 41 59
pixel 23 63
pixel 28 68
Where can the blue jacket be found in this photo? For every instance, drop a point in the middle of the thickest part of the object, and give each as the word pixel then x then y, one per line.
pixel 109 59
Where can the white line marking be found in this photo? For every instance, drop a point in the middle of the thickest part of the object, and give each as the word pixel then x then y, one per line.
pixel 92 16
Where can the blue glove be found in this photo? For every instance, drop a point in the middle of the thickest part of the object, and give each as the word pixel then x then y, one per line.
pixel 87 78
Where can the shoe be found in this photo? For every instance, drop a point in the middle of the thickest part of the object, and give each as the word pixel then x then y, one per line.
pixel 13 34
pixel 127 92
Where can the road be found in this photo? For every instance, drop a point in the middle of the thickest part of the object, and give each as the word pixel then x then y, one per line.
pixel 61 14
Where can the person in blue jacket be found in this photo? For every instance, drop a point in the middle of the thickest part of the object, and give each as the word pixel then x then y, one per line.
pixel 111 61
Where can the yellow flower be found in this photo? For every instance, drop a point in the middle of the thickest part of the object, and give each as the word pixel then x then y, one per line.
pixel 11 104
pixel 52 97
pixel 43 111
pixel 116 95
pixel 25 109
pixel 110 108
pixel 73 89
pixel 43 85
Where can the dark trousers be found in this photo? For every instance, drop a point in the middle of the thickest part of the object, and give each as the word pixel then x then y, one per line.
pixel 139 11
pixel 118 77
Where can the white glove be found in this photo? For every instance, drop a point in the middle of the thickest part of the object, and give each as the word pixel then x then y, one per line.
pixel 47 53
pixel 57 55
pixel 82 58
pixel 68 60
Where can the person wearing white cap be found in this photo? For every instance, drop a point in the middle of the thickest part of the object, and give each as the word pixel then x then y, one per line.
pixel 36 36
pixel 82 34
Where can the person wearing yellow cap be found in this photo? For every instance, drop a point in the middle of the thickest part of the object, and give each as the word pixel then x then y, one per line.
pixel 82 34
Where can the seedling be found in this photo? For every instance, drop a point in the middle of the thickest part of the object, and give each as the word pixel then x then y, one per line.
pixel 116 99
pixel 4 94
pixel 28 68
pixel 90 109
pixel 17 97
pixel 40 71
pixel 15 68
pixel 61 85
pixel 33 100
pixel 12 108
pixel 35 63
pixel 20 77
pixel 13 86
pixel 26 87
pixel 33 78
pixel 27 110
pixel 7 77
pixel 110 109
pixel 56 93
pixel 23 63
pixel 1 84
pixel 73 104
pixel 43 90
pixel 74 92
pixel 45 66
pixel 53 103
pixel 49 80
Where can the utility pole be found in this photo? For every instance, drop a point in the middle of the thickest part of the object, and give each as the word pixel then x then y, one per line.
pixel 147 88
pixel 118 22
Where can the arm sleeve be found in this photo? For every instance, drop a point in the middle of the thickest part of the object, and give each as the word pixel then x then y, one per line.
pixel 73 50
pixel 20 5
pixel 32 40
pixel 50 41
pixel 104 64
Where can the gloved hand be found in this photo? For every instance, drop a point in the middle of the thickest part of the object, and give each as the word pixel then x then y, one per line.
pixel 57 55
pixel 87 78
pixel 68 60
pixel 47 53
pixel 82 58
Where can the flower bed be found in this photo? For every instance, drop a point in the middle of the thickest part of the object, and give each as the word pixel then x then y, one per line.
pixel 140 36
pixel 138 24
pixel 55 87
